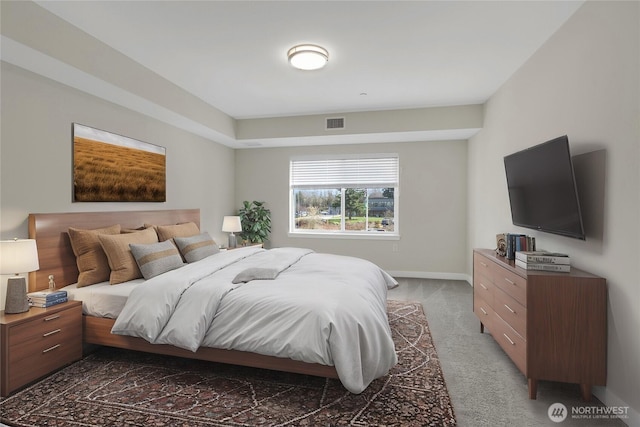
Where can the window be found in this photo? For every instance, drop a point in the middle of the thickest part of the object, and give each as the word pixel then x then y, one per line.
pixel 355 196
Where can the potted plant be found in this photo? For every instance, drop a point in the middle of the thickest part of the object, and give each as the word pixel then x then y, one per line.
pixel 256 221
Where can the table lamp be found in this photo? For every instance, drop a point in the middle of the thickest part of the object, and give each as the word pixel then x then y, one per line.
pixel 231 224
pixel 17 256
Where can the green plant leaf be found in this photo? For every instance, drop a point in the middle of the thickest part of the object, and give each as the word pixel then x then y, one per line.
pixel 256 221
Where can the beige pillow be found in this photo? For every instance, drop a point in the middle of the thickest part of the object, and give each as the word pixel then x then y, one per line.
pixel 166 232
pixel 123 264
pixel 132 230
pixel 91 260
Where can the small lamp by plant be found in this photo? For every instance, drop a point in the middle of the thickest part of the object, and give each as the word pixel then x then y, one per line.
pixel 256 221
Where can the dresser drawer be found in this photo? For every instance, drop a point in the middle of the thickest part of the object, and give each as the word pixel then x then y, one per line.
pixel 511 342
pixel 511 312
pixel 482 266
pixel 483 310
pixel 512 284
pixel 483 288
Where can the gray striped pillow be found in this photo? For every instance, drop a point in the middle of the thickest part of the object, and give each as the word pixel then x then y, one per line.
pixel 156 258
pixel 197 247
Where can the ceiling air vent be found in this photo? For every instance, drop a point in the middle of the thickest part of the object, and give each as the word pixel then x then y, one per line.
pixel 335 123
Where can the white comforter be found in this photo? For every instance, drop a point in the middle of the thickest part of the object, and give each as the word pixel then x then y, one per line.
pixel 321 308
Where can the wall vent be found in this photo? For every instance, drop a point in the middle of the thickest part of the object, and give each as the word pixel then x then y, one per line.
pixel 335 123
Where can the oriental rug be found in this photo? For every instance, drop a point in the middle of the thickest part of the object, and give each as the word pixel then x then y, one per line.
pixel 113 387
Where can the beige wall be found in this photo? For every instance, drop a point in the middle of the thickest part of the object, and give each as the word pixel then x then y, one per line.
pixel 36 162
pixel 432 205
pixel 584 82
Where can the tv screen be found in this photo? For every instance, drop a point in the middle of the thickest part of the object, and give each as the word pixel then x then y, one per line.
pixel 542 189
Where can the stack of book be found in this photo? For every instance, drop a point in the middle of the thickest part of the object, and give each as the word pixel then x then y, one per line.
pixel 543 261
pixel 518 242
pixel 45 299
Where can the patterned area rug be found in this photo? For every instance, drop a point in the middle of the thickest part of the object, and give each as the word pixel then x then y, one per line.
pixel 113 387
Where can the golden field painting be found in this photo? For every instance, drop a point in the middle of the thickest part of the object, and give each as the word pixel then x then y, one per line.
pixel 112 168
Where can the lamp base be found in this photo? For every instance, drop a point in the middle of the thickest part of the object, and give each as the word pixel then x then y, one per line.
pixel 16 301
pixel 233 242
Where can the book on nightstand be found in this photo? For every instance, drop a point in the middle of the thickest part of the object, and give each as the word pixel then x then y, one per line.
pixel 45 304
pixel 45 299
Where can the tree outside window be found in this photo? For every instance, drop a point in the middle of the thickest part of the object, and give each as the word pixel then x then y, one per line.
pixel 345 207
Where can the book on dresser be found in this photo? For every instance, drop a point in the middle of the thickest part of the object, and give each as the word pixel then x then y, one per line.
pixel 539 266
pixel 543 257
pixel 518 242
pixel 45 299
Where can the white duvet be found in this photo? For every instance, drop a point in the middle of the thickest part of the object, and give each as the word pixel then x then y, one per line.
pixel 321 308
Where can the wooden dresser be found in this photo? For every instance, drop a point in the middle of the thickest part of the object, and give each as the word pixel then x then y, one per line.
pixel 553 326
pixel 37 342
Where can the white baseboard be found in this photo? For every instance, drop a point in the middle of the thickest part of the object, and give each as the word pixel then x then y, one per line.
pixel 611 400
pixel 431 275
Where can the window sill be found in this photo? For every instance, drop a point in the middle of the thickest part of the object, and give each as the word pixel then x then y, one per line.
pixel 343 235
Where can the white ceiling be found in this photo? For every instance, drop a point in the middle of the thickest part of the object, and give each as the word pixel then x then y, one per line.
pixel 384 55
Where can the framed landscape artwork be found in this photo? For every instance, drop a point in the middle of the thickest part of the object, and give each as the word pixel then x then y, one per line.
pixel 114 168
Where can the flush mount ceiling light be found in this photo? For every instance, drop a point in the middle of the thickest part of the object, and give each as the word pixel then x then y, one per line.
pixel 308 56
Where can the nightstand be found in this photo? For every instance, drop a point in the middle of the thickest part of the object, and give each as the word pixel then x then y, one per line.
pixel 37 342
pixel 261 244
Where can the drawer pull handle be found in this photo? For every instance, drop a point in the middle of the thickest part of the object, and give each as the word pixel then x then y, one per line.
pixel 509 339
pixel 51 348
pixel 483 312
pixel 51 333
pixel 50 318
pixel 510 309
pixel 483 264
pixel 511 282
pixel 483 286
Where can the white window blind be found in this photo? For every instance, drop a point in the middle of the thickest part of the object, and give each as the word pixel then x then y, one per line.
pixel 346 172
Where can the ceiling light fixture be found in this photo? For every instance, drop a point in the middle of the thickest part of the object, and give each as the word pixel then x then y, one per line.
pixel 308 57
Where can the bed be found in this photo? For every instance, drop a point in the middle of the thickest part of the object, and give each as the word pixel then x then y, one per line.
pixel 57 258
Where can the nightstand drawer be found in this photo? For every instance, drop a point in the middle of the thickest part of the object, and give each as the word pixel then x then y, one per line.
pixel 37 342
pixel 69 336
pixel 32 362
pixel 44 327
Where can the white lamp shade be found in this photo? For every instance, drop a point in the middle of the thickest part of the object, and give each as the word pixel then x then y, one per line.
pixel 18 256
pixel 231 224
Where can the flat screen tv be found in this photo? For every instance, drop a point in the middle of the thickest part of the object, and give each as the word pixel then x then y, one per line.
pixel 542 189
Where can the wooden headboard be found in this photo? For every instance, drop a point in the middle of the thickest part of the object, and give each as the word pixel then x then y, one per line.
pixel 55 255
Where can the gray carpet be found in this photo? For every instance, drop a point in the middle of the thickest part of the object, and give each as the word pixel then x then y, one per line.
pixel 486 388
